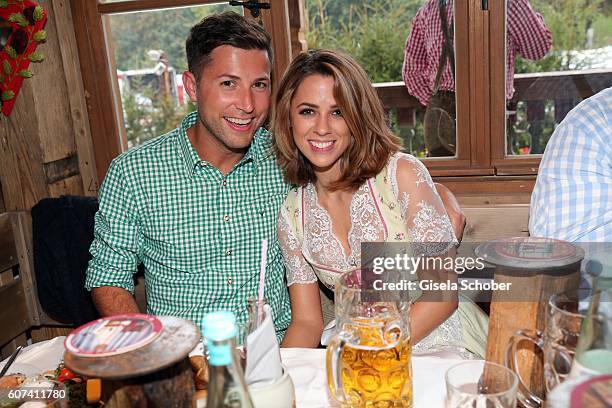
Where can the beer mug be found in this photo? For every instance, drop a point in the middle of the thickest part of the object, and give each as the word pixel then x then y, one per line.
pixel 565 314
pixel 368 359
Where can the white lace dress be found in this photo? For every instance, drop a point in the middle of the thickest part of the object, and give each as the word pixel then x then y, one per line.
pixel 381 210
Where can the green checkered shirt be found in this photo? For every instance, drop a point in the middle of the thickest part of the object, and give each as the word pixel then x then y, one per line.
pixel 197 232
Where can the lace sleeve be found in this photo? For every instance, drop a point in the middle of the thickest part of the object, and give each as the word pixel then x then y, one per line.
pixel 422 207
pixel 297 269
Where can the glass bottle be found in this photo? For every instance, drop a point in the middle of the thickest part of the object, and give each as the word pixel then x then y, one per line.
pixel 227 387
pixel 594 349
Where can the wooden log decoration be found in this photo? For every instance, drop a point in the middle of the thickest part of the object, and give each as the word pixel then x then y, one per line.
pixel 536 268
pixel 157 374
pixel 169 387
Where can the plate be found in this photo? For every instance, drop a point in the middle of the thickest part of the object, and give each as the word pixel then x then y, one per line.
pixel 21 368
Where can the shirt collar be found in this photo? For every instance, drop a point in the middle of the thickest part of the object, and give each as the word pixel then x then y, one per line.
pixel 190 156
pixel 260 148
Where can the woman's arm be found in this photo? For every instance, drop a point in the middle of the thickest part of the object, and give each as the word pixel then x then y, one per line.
pixel 428 222
pixel 451 205
pixel 306 316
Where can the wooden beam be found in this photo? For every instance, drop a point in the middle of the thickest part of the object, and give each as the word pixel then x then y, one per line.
pixel 22 231
pixel 50 102
pixel 21 172
pixel 141 5
pixel 480 144
pixel 8 250
pixel 497 74
pixel 276 23
pixel 76 95
pixel 97 82
pixel 297 26
pixel 395 95
pixel 61 169
pixel 13 311
pixel 463 111
pixel 488 185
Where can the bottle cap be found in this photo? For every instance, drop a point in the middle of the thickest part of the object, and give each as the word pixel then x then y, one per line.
pixel 220 325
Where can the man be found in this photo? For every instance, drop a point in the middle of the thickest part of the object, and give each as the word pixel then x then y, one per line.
pixel 428 70
pixel 572 198
pixel 194 205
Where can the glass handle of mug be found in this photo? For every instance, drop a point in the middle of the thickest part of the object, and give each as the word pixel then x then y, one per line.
pixel 526 397
pixel 334 371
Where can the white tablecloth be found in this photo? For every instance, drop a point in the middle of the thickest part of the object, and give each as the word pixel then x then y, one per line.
pixel 306 367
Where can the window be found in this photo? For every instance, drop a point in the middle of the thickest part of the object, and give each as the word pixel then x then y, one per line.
pixel 363 30
pixel 149 55
pixel 131 66
pixel 546 89
pixel 498 141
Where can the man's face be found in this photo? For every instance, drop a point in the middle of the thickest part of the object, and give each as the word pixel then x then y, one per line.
pixel 233 96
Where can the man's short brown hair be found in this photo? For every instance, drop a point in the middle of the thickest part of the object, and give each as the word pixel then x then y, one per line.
pixel 226 28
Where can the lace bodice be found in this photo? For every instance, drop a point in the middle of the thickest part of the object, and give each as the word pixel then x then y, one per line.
pixel 387 208
pixel 399 205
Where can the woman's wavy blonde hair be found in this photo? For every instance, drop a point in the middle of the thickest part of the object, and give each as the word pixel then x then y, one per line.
pixel 372 142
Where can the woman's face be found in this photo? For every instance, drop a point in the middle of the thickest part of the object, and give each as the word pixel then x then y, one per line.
pixel 319 130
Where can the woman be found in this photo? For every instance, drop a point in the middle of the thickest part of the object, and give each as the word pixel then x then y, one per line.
pixel 331 139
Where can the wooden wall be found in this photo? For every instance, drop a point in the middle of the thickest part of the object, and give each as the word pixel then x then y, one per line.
pixel 46 148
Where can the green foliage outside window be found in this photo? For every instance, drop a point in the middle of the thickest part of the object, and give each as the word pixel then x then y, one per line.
pixel 148 115
pixel 373 31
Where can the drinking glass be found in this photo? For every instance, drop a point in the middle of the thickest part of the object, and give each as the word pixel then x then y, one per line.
pixel 480 384
pixel 565 313
pixel 255 316
pixel 368 359
pixel 594 349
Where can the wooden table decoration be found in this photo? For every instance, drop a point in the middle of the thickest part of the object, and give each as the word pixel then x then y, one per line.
pixel 537 268
pixel 156 374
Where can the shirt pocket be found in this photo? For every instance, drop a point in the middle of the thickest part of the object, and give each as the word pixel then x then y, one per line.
pixel 264 213
pixel 182 242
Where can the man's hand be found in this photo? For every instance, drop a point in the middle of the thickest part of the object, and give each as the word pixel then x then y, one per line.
pixel 112 300
pixel 453 209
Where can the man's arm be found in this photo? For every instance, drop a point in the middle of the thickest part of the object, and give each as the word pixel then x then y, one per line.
pixel 415 63
pixel 113 300
pixel 115 249
pixel 527 31
pixel 453 209
pixel 570 200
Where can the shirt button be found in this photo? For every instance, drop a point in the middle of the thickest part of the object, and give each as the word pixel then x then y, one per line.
pixel 229 281
pixel 228 252
pixel 224 183
pixel 226 218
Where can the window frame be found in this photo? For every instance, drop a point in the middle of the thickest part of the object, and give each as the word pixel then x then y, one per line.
pixel 480 81
pixel 97 61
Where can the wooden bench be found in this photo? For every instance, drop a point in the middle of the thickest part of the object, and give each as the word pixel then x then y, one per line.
pixel 485 223
pixel 19 308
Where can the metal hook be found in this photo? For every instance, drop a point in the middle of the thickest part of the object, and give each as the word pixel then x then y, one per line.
pixel 254 6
